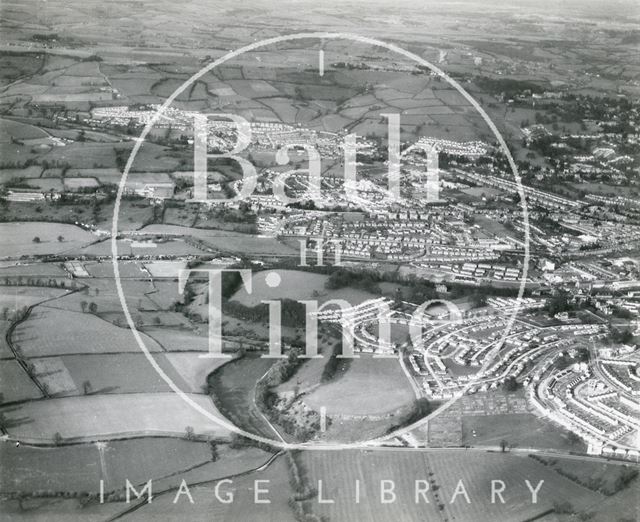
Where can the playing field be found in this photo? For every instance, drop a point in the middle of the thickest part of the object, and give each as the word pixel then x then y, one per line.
pixel 110 416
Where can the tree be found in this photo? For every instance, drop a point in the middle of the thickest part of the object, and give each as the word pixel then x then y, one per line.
pixel 83 305
pixel 503 445
pixel 60 239
pixel 563 507
pixel 573 438
pixel 510 384
pixel 57 438
pixel 36 239
pixel 189 433
pixel 93 308
pixel 86 387
pixel 213 446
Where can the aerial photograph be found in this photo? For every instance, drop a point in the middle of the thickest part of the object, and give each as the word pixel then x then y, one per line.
pixel 320 261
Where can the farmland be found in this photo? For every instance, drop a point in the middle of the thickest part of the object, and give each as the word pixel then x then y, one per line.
pixel 117 373
pixel 232 387
pixel 80 403
pixel 519 429
pixel 78 468
pixel 15 297
pixel 42 238
pixel 369 387
pixel 299 285
pixel 243 507
pixel 443 470
pixel 43 335
pixel 194 369
pixel 225 241
pixel 96 417
pixel 15 384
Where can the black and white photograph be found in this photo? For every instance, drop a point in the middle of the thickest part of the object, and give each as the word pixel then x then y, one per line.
pixel 320 261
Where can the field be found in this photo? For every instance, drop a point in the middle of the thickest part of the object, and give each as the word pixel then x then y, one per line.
pixel 103 292
pixel 443 469
pixel 15 297
pixel 19 238
pixel 43 334
pixel 165 268
pixel 4 347
pixel 243 507
pixel 78 467
pixel 15 384
pixel 298 285
pixel 118 373
pixel 179 340
pixel 598 476
pixel 193 369
pixel 225 241
pixel 20 131
pixel 233 390
pixel 523 430
pixel 96 417
pixel 369 387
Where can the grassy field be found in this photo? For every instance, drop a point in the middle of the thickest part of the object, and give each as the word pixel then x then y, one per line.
pixel 119 373
pixel 103 293
pixel 179 340
pixel 226 241
pixel 19 238
pixel 78 467
pixel 369 387
pixel 110 416
pixel 193 369
pixel 20 131
pixel 597 476
pixel 4 347
pixel 50 331
pixel 523 430
pixel 243 507
pixel 233 389
pixel 165 268
pixel 299 285
pixel 15 297
pixel 59 509
pixel 15 384
pixel 340 470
